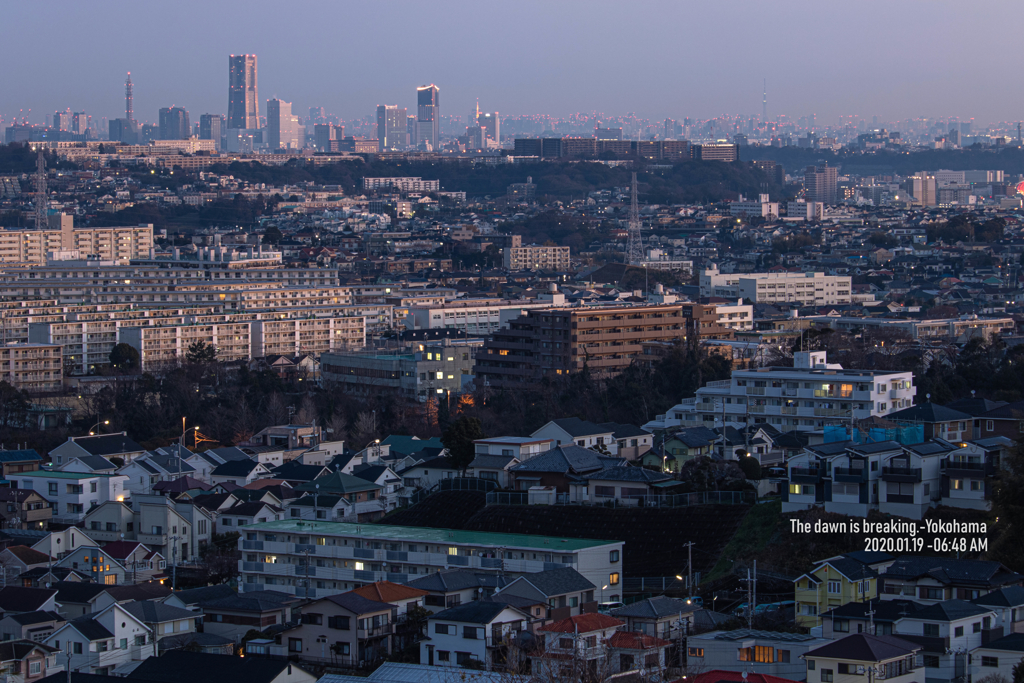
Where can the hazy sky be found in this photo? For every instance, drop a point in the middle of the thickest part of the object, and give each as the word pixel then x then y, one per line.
pixel 890 58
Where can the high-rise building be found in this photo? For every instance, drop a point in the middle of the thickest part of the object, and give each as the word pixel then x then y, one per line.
pixel 282 126
pixel 210 127
pixel 428 114
pixel 490 124
pixel 174 124
pixel 123 130
pixel 392 127
pixel 922 188
pixel 411 127
pixel 316 115
pixel 820 184
pixel 62 120
pixel 129 108
pixel 79 123
pixel 243 97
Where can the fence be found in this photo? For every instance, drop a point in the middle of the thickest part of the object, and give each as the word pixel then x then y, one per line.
pixel 666 501
pixel 454 484
pixel 905 434
pixel 657 583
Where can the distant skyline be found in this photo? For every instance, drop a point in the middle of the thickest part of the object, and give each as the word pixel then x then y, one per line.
pixel 659 59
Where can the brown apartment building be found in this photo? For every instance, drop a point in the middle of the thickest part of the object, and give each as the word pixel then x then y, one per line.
pixel 553 342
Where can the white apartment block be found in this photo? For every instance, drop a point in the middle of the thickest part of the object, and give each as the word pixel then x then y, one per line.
pixel 71 494
pixel 806 397
pixel 35 368
pixel 474 317
pixel 952 328
pixel 805 211
pixel 761 208
pixel 536 258
pixel 736 316
pixel 802 289
pixel 334 557
pixel 33 246
pixel 408 184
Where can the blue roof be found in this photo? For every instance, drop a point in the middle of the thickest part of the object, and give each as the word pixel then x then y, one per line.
pixel 17 456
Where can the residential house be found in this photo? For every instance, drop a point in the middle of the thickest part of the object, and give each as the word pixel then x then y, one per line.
pixel 86 464
pixel 837 581
pixel 401 597
pixel 326 508
pixel 235 615
pixel 594 646
pixel 288 437
pixel 19 600
pixel 875 616
pixel 34 626
pixel 573 430
pixel 563 592
pixel 100 643
pixel 967 474
pixel 939 422
pixel 98 565
pixel 109 446
pixel 145 471
pixel 12 462
pixel 18 559
pixel 848 660
pixel 718 676
pixel 295 472
pixel 24 509
pixel 57 543
pixel 1008 604
pixel 201 667
pixel 178 530
pixel 946 632
pixel 71 494
pixel 164 621
pixel 22 661
pixel 661 616
pixel 476 634
pixel 492 468
pixel 933 579
pixel 631 442
pixel 450 587
pixel 242 514
pixel 345 628
pixel 139 561
pixel 564 469
pixel 628 485
pixel 998 656
pixel 767 652
pixel 519 447
pixel 382 475
pixel 238 472
pixel 1006 420
pixel 364 495
pixel 681 447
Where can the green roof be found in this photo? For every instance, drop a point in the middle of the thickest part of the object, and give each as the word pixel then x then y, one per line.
pixel 418 534
pixel 47 474
pixel 338 483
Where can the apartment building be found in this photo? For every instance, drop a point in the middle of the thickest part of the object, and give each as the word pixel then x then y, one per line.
pixel 806 397
pixel 407 184
pixel 801 289
pixel 315 335
pixel 332 556
pixel 536 258
pixel 71 494
pixel 25 246
pixel 559 341
pixel 473 316
pixel 166 345
pixel 177 530
pixel 964 327
pixel 35 368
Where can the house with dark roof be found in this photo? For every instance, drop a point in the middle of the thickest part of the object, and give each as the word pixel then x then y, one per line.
pixel 564 468
pixel 582 433
pixel 1006 420
pixel 629 485
pixel 23 460
pixel 118 445
pixel 24 509
pixel 24 661
pixel 100 643
pixel 153 520
pixel 164 620
pixel 931 580
pixel 238 472
pixel 680 447
pixel 492 468
pixel 89 464
pixel 738 650
pixel 17 559
pixel 875 616
pixel 1008 604
pixel 939 422
pixel 360 630
pixel 384 476
pixel 36 626
pixel 248 513
pixel 998 656
pixel 560 593
pixel 232 616
pixel 140 562
pixel 365 496
pixel 596 644
pixel 836 581
pixel 18 600
pixel 631 442
pixel 152 467
pixel 946 630
pixel 472 635
pixel 201 667
pixel 296 472
pixel 450 587
pixel 659 616
pixel 894 659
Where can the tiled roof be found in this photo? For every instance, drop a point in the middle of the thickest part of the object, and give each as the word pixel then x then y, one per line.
pixel 583 623
pixel 475 612
pixel 386 591
pixel 862 647
pixel 634 640
pixel 654 608
pixel 28 555
pixel 108 444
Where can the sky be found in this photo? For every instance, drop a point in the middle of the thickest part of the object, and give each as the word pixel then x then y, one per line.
pixel 894 59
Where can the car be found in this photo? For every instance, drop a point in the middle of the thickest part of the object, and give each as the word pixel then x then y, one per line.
pixel 606 607
pixel 695 600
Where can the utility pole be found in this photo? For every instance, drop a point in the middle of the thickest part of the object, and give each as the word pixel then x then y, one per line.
pixel 689 566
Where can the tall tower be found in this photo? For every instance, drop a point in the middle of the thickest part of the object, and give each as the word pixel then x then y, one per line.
pixel 41 220
pixel 428 114
pixel 129 111
pixel 764 103
pixel 634 241
pixel 243 95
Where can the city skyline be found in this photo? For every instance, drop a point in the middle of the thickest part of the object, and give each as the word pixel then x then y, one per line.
pixel 655 61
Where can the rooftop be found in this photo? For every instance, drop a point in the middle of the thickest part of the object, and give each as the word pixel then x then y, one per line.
pixel 426 535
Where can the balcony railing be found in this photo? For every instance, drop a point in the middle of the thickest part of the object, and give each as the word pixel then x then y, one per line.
pixel 901 474
pixel 849 474
pixel 375 631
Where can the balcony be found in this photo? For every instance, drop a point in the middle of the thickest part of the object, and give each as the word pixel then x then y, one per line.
pixel 804 475
pixel 755 391
pixel 962 469
pixel 374 632
pixel 910 475
pixel 851 475
pixel 831 412
pixel 898 498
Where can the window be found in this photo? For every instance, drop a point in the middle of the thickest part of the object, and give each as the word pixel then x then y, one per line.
pixel 990 661
pixel 783 656
pixel 470 632
pixel 295 645
pixel 958 631
pixel 810 665
pixel 441 628
pixel 34 667
pixel 613 556
pixel 976 627
pixel 931 661
pixel 52 489
pixel 140 640
pixel 764 654
pixel 613 579
pixel 990 425
pixel 826 676
pixel 124 643
pixel 340 623
pixel 76 648
pixel 841 626
pixel 956 484
pixel 977 485
pixel 931 630
pixel 444 656
pixel 834 587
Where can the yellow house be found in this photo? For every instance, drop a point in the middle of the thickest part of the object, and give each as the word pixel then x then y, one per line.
pixel 837 581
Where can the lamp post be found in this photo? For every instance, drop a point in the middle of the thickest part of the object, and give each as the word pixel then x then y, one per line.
pixel 104 422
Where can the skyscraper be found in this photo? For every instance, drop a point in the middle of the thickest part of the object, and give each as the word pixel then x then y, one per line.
pixel 80 123
pixel 820 184
pixel 282 126
pixel 129 111
pixel 410 128
pixel 490 124
pixel 428 114
pixel 62 120
pixel 243 98
pixel 174 124
pixel 392 129
pixel 210 128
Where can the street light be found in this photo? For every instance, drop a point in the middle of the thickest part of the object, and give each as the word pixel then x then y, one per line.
pixel 104 422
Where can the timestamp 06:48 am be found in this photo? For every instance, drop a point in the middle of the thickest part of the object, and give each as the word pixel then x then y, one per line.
pixel 916 544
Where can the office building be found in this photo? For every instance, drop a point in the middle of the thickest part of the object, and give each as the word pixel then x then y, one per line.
pixel 716 152
pixel 317 115
pixel 806 397
pixel 608 133
pixel 125 131
pixel 536 258
pixel 335 556
pixel 282 126
pixel 922 188
pixel 820 184
pixel 392 127
pixel 174 124
pixel 428 115
pixel 553 342
pixel 243 97
pixel 411 129
pixel 62 120
pixel 210 126
pixel 490 124
pixel 798 289
pixel 80 123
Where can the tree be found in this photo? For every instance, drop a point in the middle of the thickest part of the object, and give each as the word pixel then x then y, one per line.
pixel 200 353
pixel 272 235
pixel 751 467
pixel 458 439
pixel 124 357
pixel 1018 672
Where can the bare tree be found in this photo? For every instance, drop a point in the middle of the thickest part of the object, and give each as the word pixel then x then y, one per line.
pixel 276 410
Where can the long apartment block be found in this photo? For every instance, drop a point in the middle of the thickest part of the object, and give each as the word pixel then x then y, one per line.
pixel 333 557
pixel 35 368
pixel 25 246
pixel 802 289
